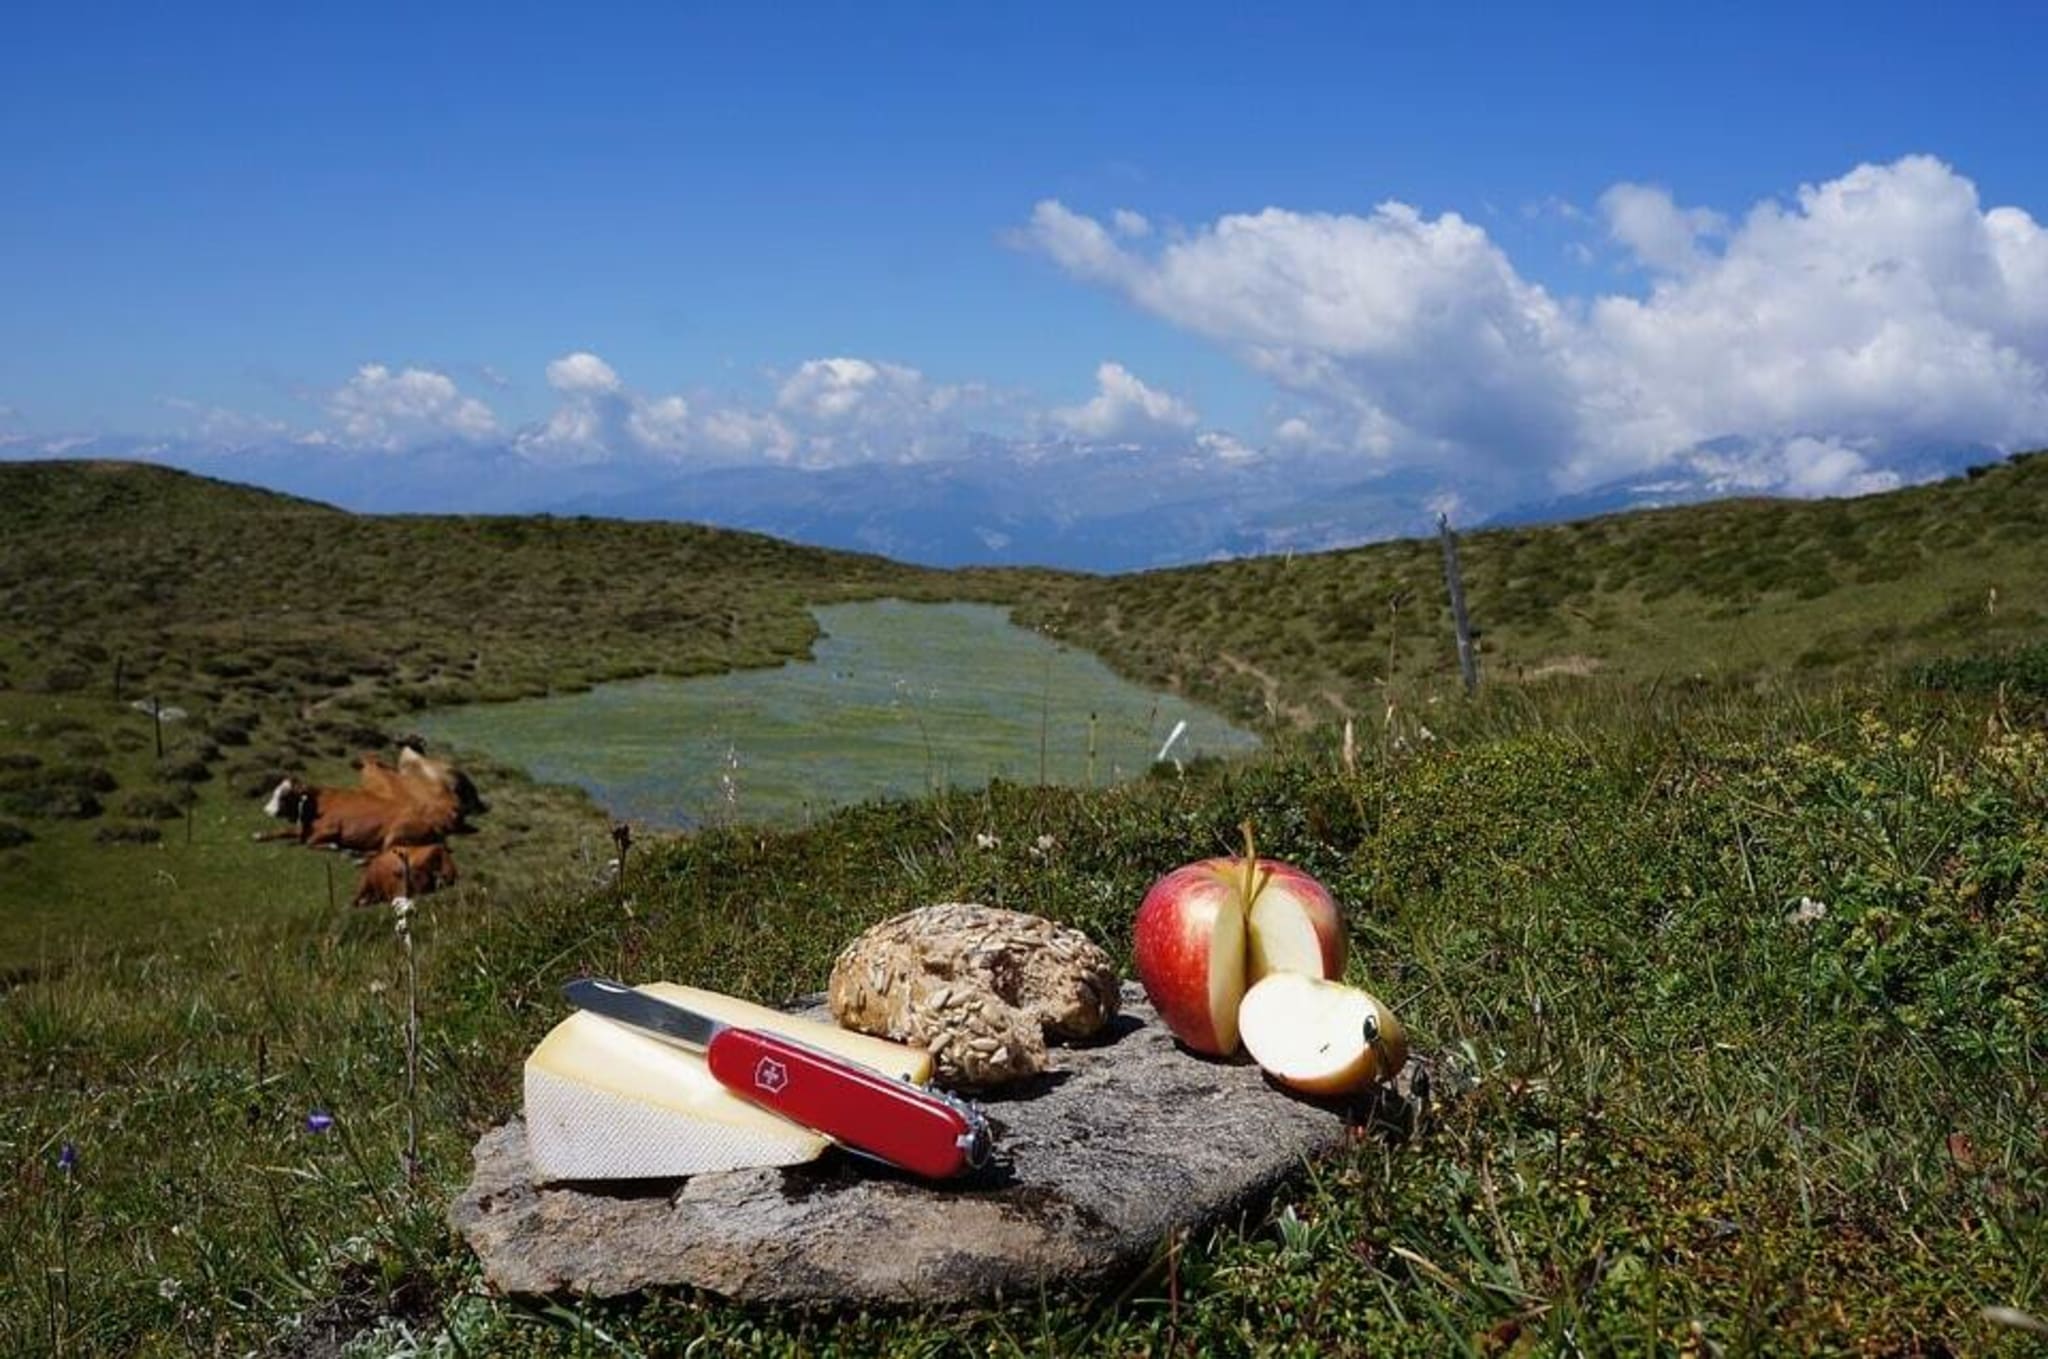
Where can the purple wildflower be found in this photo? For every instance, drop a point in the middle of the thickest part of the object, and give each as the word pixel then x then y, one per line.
pixel 67 1158
pixel 319 1121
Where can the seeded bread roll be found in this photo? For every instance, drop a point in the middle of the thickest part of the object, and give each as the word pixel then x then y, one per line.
pixel 980 988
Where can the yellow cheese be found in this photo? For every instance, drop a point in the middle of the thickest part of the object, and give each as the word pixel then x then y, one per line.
pixel 605 1102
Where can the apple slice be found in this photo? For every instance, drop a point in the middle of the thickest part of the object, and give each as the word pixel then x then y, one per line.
pixel 1320 1037
pixel 1295 925
pixel 1189 946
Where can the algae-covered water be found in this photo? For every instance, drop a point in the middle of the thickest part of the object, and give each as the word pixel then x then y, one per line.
pixel 900 700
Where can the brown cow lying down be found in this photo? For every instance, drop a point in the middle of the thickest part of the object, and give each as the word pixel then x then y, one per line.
pixel 384 874
pixel 415 762
pixel 356 818
pixel 404 784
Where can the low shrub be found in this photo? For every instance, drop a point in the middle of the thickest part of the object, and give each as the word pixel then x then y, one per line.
pixel 255 777
pixel 64 679
pixel 2022 672
pixel 90 777
pixel 186 769
pixel 13 833
pixel 85 745
pixel 153 804
pixel 50 803
pixel 127 833
pixel 231 731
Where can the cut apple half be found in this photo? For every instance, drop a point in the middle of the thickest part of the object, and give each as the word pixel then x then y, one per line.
pixel 1284 936
pixel 1320 1037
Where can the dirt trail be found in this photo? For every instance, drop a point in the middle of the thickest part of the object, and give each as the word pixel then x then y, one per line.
pixel 1296 713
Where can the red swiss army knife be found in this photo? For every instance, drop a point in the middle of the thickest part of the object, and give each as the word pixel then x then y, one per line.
pixel 927 1132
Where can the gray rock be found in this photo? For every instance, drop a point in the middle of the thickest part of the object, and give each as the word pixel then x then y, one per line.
pixel 1097 1161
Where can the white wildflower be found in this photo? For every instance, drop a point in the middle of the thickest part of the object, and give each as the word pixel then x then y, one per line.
pixel 983 840
pixel 1807 912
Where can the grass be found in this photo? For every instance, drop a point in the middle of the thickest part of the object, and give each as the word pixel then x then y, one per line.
pixel 1684 1110
pixel 293 635
pixel 1726 590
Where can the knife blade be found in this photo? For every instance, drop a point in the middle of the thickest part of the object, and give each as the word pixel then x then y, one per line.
pixel 927 1132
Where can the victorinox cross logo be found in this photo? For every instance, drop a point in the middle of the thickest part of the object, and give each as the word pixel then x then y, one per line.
pixel 771 1075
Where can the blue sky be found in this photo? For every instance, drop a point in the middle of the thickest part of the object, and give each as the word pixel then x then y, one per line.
pixel 224 216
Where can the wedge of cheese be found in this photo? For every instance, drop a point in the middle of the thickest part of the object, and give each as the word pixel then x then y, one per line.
pixel 606 1102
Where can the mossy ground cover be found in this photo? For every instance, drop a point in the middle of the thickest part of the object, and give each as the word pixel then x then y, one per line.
pixel 1736 986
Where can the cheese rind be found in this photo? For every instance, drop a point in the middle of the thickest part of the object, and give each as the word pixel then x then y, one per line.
pixel 604 1101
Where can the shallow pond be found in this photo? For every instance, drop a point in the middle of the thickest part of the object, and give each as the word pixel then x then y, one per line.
pixel 900 700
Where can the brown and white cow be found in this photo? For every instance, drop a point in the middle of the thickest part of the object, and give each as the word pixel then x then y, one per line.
pixel 414 762
pixel 404 784
pixel 403 870
pixel 357 818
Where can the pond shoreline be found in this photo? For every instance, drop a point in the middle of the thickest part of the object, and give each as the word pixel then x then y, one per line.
pixel 897 699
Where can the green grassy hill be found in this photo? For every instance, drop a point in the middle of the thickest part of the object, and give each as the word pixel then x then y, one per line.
pixel 288 636
pixel 1736 988
pixel 1725 590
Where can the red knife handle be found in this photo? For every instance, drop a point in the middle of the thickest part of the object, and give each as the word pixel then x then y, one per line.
pixel 903 1124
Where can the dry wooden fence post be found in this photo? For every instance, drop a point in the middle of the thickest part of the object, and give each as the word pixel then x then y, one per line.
pixel 1468 660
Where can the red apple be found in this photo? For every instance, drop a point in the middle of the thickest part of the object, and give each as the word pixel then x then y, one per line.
pixel 1189 950
pixel 1321 1037
pixel 1208 929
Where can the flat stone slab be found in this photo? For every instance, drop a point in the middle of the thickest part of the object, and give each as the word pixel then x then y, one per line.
pixel 1096 1163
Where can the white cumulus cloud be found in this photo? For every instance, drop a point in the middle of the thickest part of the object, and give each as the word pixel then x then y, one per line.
pixel 1125 408
pixel 661 424
pixel 827 412
pixel 1659 233
pixel 383 409
pixel 1130 224
pixel 847 410
pixel 600 418
pixel 582 373
pixel 735 431
pixel 833 390
pixel 1875 312
pixel 1800 466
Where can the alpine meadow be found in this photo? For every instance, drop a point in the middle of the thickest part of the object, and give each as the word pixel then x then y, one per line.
pixel 1720 910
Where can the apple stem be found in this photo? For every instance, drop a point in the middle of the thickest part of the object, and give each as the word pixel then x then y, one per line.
pixel 1254 881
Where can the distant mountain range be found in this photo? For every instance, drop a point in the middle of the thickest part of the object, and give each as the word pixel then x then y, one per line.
pixel 1107 508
